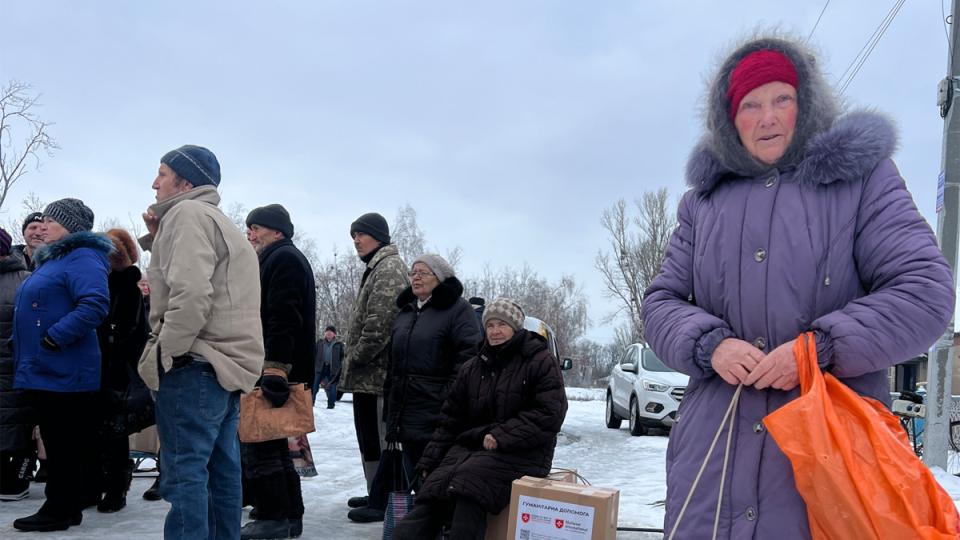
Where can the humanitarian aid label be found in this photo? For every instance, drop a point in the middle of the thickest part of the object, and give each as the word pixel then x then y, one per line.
pixel 547 519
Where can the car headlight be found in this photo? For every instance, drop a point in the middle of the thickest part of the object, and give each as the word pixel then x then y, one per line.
pixel 655 387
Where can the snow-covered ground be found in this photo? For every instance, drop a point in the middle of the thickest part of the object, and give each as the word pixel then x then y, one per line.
pixel 607 458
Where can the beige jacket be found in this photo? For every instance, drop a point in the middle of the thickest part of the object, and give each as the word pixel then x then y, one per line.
pixel 204 292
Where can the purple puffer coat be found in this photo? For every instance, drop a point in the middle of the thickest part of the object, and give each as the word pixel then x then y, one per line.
pixel 828 240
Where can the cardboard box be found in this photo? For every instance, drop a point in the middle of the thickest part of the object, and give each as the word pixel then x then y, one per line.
pixel 544 509
pixel 497 523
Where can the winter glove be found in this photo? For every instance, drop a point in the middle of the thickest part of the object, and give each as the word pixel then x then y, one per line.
pixel 49 344
pixel 391 436
pixel 275 389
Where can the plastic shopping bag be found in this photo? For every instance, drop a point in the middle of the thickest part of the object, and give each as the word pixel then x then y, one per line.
pixel 853 465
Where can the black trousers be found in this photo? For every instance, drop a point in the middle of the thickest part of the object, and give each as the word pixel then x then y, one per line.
pixel 270 481
pixel 366 420
pixel 69 423
pixel 468 520
pixel 116 464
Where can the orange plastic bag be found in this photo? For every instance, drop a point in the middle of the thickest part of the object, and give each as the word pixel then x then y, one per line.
pixel 853 465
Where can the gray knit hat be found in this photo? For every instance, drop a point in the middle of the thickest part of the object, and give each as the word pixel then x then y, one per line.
pixel 507 311
pixel 437 264
pixel 71 214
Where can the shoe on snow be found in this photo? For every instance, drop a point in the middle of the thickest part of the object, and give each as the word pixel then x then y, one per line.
pixel 153 492
pixel 365 515
pixel 357 502
pixel 44 522
pixel 266 529
pixel 111 503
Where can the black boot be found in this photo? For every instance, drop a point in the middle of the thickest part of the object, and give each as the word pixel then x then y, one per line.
pixel 43 521
pixel 265 529
pixel 365 515
pixel 357 502
pixel 153 492
pixel 117 482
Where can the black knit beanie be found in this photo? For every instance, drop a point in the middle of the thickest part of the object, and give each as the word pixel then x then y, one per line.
pixel 373 224
pixel 273 216
pixel 71 214
pixel 32 217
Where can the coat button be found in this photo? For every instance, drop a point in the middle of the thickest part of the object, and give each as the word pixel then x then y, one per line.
pixel 760 343
pixel 826 281
pixel 759 255
pixel 758 427
pixel 770 181
pixel 751 513
pixel 35 305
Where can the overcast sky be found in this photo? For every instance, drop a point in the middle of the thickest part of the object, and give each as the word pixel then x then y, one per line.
pixel 508 126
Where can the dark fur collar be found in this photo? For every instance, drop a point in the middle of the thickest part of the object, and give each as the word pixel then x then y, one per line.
pixel 61 248
pixel 444 295
pixel 848 150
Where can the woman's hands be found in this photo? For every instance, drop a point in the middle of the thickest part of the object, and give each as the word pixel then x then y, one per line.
pixel 489 443
pixel 734 359
pixel 739 362
pixel 777 370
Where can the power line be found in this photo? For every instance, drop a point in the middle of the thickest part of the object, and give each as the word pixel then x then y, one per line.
pixel 816 24
pixel 851 72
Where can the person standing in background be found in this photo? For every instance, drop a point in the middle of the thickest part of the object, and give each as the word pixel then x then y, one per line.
pixel 288 308
pixel 327 366
pixel 368 340
pixel 17 449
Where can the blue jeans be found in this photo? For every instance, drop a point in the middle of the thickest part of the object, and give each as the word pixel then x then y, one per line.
pixel 200 451
pixel 331 389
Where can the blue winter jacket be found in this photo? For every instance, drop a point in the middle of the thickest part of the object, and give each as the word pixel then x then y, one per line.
pixel 65 298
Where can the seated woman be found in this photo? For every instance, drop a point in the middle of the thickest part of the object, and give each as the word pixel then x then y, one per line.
pixel 500 422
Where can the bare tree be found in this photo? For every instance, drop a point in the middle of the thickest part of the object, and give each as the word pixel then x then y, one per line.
pixel 237 212
pixel 407 235
pixel 338 281
pixel 30 204
pixel 561 304
pixel 31 136
pixel 637 247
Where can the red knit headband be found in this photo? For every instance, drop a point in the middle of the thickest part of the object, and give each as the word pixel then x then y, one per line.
pixel 757 69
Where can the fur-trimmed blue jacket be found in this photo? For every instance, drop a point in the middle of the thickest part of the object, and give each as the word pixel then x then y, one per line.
pixel 65 298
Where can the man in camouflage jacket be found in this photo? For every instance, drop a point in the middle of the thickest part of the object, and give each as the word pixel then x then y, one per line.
pixel 367 344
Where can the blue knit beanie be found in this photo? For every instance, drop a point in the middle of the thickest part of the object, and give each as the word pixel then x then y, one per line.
pixel 195 164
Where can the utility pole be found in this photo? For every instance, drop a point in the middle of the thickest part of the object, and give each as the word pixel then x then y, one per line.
pixel 944 353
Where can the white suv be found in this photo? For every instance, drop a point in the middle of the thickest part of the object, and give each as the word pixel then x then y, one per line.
pixel 643 389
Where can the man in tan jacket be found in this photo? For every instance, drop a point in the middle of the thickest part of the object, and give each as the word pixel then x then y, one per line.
pixel 206 346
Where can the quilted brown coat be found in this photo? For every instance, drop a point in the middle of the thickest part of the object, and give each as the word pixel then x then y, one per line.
pixel 515 393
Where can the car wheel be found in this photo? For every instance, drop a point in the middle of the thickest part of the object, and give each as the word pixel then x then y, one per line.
pixel 613 421
pixel 636 428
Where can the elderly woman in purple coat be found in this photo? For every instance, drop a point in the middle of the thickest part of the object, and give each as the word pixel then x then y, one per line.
pixel 796 220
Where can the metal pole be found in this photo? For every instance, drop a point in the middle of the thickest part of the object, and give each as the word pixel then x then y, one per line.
pixel 936 442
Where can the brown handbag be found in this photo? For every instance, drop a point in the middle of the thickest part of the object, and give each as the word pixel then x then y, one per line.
pixel 260 421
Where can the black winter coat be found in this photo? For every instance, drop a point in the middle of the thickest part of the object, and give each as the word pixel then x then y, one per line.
pixel 513 392
pixel 427 349
pixel 124 332
pixel 288 309
pixel 16 418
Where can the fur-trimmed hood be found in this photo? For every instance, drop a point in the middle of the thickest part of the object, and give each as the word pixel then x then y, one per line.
pixel 443 296
pixel 82 239
pixel 825 146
